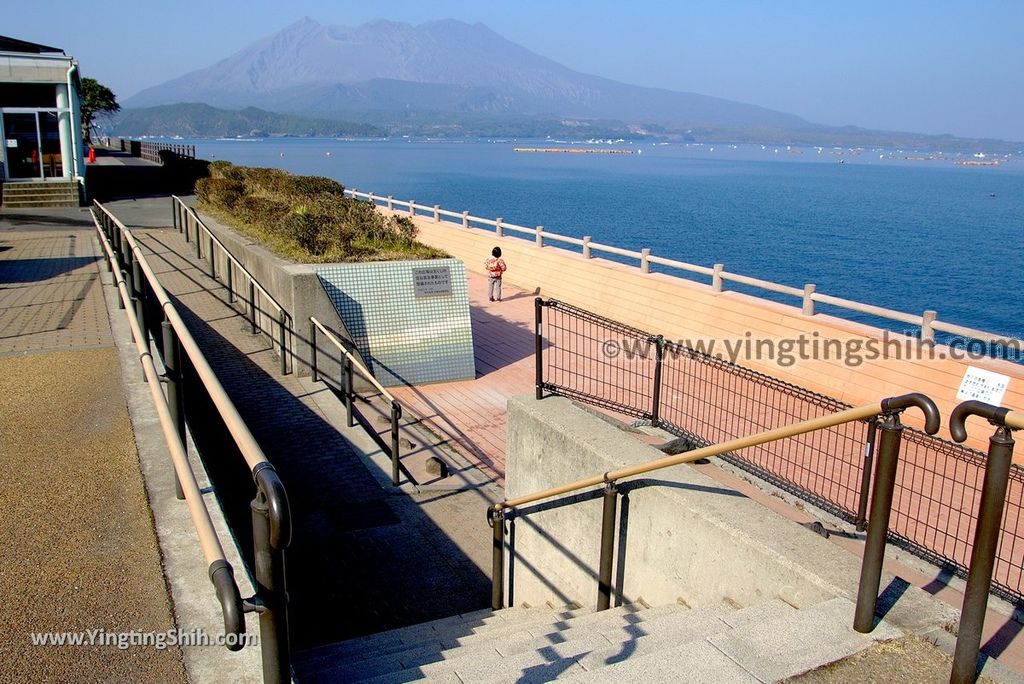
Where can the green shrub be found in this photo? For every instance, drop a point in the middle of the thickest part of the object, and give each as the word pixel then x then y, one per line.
pixel 307 217
pixel 260 210
pixel 220 192
pixel 310 186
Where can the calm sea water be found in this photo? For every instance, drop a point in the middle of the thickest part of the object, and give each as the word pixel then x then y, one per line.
pixel 908 235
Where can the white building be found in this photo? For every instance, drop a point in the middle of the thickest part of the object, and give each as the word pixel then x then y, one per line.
pixel 40 124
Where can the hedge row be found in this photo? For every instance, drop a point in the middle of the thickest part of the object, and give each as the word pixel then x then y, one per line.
pixel 307 217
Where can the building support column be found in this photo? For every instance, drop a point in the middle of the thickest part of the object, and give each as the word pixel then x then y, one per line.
pixel 65 126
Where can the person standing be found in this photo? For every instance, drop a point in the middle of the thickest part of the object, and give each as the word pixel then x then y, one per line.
pixel 495 266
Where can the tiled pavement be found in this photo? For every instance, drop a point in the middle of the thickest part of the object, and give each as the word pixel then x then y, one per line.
pixel 78 546
pixel 364 558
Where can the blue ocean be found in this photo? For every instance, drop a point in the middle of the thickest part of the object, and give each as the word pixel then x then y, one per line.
pixel 883 227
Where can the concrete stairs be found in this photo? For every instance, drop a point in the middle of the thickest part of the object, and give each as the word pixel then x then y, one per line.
pixel 760 643
pixel 40 194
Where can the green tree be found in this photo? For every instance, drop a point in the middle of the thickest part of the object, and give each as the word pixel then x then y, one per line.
pixel 97 100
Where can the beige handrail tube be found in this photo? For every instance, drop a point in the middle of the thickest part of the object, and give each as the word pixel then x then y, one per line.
pixel 351 357
pixel 247 445
pixel 208 540
pixel 852 414
pixel 1014 419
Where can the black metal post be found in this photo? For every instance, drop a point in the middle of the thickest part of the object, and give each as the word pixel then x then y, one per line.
pixel 878 523
pixel 396 415
pixel 604 576
pixel 865 478
pixel 983 557
pixel 252 305
pixel 174 213
pixel 347 385
pixel 538 305
pixel 175 396
pixel 231 282
pixel 312 352
pixel 659 347
pixel 271 529
pixel 497 520
pixel 282 342
pixel 138 294
pixel 124 277
pixel 213 260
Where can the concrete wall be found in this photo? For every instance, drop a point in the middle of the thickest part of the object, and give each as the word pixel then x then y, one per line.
pixel 685 310
pixel 295 286
pixel 680 534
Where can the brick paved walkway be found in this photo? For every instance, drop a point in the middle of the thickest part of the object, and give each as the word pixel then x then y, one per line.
pixel 77 539
pixel 364 558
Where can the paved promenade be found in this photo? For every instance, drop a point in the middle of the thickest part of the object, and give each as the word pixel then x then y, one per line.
pixel 365 557
pixel 79 550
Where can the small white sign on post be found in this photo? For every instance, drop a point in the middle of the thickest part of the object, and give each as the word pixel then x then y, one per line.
pixel 12 142
pixel 983 385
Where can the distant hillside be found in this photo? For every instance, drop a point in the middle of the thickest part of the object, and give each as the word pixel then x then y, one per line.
pixel 456 79
pixel 441 66
pixel 203 121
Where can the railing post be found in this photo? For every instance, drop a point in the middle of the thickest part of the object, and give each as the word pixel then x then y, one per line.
pixel 538 306
pixel 716 277
pixel 465 219
pixel 497 521
pixel 927 331
pixel 808 307
pixel 282 330
pixel 120 299
pixel 213 260
pixel 986 542
pixel 659 351
pixel 499 231
pixel 315 376
pixel 174 213
pixel 586 246
pixel 138 294
pixel 271 531
pixel 347 384
pixel 231 282
pixel 878 523
pixel 437 213
pixel 539 236
pixel 865 477
pixel 645 265
pixel 604 574
pixel 396 415
pixel 252 305
pixel 199 243
pixel 391 203
pixel 175 396
pixel 412 208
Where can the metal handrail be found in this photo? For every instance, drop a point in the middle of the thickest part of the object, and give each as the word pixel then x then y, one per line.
pixel 350 364
pixel 272 526
pixel 219 569
pixel 886 412
pixel 809 295
pixel 284 318
pixel 986 535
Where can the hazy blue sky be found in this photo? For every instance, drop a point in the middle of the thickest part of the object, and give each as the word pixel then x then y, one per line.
pixel 931 67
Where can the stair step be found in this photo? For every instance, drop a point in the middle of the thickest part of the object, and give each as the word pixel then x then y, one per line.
pixel 785 645
pixel 696 661
pixel 437 633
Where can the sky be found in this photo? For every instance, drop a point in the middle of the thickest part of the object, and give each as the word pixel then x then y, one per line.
pixel 904 65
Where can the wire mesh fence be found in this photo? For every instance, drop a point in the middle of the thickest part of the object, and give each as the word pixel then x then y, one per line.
pixel 708 400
